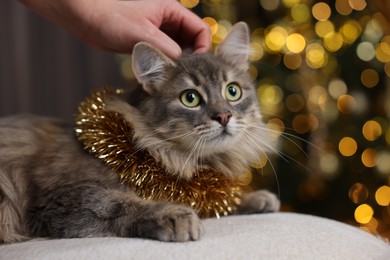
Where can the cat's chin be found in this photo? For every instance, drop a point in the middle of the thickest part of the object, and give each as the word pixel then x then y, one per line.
pixel 219 145
pixel 222 140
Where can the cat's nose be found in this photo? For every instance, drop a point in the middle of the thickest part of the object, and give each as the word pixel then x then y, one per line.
pixel 223 118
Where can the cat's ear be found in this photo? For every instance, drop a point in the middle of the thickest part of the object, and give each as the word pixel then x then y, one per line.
pixel 149 65
pixel 235 47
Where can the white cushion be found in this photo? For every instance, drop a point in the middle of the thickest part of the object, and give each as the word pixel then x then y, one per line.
pixel 264 236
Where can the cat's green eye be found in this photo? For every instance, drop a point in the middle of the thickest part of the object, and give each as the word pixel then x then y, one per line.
pixel 190 98
pixel 233 92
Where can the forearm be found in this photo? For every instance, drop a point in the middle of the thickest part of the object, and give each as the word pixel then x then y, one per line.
pixel 65 13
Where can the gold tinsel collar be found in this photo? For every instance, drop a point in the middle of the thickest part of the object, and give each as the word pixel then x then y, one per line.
pixel 108 136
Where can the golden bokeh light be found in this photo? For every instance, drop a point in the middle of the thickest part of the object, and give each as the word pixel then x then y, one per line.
pixel 314 122
pixel 292 61
pixel 336 88
pixel 317 95
pixel 333 41
pixel 269 94
pixel 369 78
pixel 253 72
pixel 348 146
pixel 220 34
pixel 295 43
pixel 350 31
pixel 246 178
pixel 256 51
pixel 290 3
pixel 275 39
pixel 371 227
pixel 332 113
pixel 258 33
pixel 346 104
pixel 361 102
pixel 387 69
pixel 270 5
pixel 382 195
pixel 364 213
pixel 369 157
pixel 358 5
pixel 372 130
pixel 304 123
pixel 189 3
pixel 276 127
pixel 373 31
pixel 382 52
pixel 295 102
pixel 365 51
pixel 321 11
pixel 225 23
pixel 301 124
pixel 329 164
pixel 126 67
pixel 381 20
pixel 212 23
pixel 316 56
pixel 386 39
pixel 343 7
pixel 322 28
pixel 383 162
pixel 300 13
pixel 358 193
pixel 261 163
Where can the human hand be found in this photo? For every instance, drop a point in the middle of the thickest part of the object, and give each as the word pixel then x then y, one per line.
pixel 117 26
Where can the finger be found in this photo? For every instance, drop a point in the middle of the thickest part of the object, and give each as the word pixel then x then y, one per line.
pixel 186 27
pixel 164 43
pixel 200 33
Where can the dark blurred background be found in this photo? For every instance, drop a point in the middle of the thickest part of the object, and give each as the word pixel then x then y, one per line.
pixel 43 69
pixel 322 70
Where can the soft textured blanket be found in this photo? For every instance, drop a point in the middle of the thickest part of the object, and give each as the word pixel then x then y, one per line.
pixel 265 236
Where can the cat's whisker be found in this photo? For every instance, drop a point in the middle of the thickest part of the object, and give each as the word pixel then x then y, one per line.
pixel 289 134
pixel 200 154
pixel 282 155
pixel 289 137
pixel 197 142
pixel 270 147
pixel 259 141
pixel 247 138
pixel 190 150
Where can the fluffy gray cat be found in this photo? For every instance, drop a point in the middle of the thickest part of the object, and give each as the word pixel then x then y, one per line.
pixel 201 109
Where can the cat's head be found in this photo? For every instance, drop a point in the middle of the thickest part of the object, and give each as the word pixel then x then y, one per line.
pixel 201 110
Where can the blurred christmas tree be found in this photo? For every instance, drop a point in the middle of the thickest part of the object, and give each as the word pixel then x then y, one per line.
pixel 322 69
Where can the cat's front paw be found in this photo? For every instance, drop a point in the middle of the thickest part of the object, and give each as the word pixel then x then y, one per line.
pixel 261 201
pixel 170 223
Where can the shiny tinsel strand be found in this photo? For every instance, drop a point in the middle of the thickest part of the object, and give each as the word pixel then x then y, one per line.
pixel 109 137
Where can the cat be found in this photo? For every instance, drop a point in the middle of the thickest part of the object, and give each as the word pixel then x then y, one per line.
pixel 201 110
